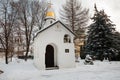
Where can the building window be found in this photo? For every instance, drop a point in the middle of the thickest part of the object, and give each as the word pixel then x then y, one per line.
pixel 51 22
pixel 66 50
pixel 67 39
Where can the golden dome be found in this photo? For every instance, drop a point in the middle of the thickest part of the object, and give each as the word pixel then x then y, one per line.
pixel 50 14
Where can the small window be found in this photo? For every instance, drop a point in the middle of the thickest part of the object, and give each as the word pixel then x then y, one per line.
pixel 67 39
pixel 51 22
pixel 66 50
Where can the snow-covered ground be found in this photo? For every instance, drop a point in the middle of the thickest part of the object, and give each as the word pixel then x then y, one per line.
pixel 21 70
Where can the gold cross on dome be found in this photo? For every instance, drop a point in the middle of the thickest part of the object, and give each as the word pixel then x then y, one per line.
pixel 49 4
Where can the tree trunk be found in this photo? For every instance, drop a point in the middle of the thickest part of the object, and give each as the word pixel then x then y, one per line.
pixel 6 56
pixel 27 50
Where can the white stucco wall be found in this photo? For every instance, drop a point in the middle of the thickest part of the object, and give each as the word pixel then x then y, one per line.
pixel 55 37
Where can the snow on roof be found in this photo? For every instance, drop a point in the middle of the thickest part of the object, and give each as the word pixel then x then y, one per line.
pixel 51 26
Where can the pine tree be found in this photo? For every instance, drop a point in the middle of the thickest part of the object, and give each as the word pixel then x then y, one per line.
pixel 116 45
pixel 74 15
pixel 98 42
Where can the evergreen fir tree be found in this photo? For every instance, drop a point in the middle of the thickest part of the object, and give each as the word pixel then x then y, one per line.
pixel 116 45
pixel 98 42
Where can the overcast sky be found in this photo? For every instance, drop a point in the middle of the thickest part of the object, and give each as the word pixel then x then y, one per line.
pixel 111 7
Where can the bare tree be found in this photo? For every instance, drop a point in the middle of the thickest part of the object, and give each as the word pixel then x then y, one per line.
pixel 7 19
pixel 28 16
pixel 73 15
pixel 41 9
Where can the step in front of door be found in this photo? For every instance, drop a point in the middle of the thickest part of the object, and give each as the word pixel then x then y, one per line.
pixel 52 68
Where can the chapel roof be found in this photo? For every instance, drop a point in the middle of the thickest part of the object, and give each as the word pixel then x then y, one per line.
pixel 52 25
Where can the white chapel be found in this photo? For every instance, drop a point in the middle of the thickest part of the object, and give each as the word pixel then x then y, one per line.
pixel 53 44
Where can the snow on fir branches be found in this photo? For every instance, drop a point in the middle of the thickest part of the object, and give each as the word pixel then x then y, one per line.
pixel 99 32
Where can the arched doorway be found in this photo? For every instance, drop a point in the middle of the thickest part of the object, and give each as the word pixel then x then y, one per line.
pixel 49 56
